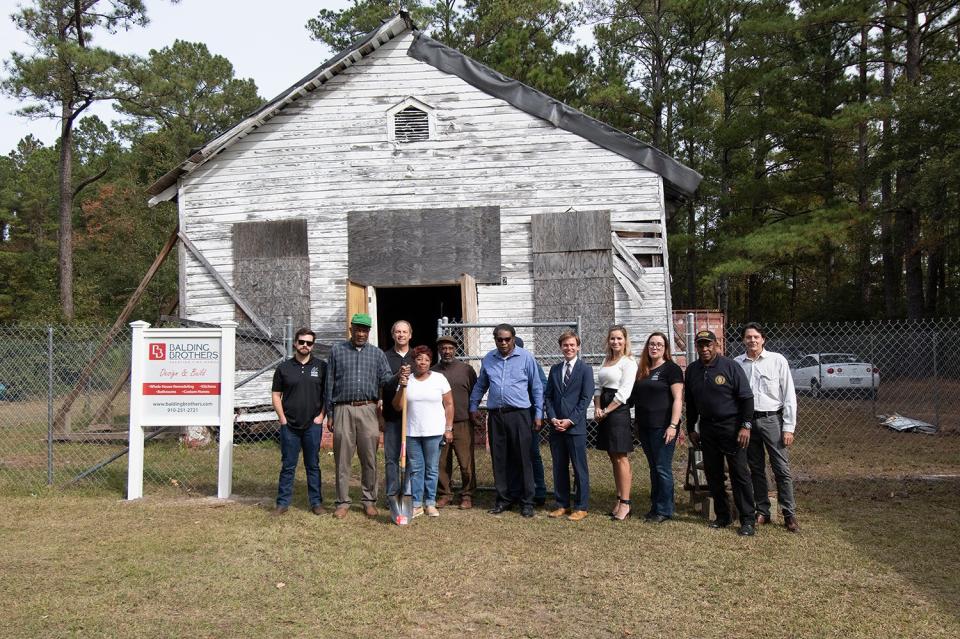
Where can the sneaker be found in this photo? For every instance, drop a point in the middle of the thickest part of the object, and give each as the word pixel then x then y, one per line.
pixel 432 511
pixel 417 511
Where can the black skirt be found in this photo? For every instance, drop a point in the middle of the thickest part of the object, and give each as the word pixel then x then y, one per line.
pixel 615 431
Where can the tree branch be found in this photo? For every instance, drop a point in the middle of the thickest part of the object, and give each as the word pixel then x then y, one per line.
pixel 87 182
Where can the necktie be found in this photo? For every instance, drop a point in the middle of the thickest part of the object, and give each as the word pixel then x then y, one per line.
pixel 566 374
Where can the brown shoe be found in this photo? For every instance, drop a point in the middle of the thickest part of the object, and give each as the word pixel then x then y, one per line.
pixel 762 519
pixel 279 510
pixel 558 513
pixel 444 501
pixel 370 510
pixel 341 511
pixel 577 515
pixel 791 524
pixel 466 503
pixel 318 510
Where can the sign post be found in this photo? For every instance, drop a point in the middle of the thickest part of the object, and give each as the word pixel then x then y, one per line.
pixel 181 377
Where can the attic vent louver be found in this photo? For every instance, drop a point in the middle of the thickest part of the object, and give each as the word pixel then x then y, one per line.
pixel 411 125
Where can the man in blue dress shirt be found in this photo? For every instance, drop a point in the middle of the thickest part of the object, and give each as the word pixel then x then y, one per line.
pixel 511 376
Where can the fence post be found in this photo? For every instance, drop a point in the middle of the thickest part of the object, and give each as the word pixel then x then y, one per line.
pixel 936 381
pixel 873 376
pixel 49 405
pixel 439 327
pixel 288 337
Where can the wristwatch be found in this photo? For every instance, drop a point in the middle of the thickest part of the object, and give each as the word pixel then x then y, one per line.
pixel 747 425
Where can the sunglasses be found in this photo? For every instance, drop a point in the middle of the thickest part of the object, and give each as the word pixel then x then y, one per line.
pixel 502 340
pixel 303 342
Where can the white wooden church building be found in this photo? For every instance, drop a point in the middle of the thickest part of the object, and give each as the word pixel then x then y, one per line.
pixel 404 178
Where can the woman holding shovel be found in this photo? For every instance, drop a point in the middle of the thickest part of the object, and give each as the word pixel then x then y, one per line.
pixel 429 420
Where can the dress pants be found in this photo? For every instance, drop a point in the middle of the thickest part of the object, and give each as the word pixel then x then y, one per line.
pixel 766 437
pixel 510 432
pixel 718 441
pixel 292 442
pixel 391 457
pixel 356 429
pixel 660 459
pixel 568 450
pixel 539 481
pixel 462 446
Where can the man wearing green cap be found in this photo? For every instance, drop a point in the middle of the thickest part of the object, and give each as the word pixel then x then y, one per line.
pixel 355 371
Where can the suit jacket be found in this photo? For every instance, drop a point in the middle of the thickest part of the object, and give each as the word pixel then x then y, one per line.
pixel 570 402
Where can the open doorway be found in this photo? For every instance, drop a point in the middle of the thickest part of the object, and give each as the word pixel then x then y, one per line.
pixel 422 306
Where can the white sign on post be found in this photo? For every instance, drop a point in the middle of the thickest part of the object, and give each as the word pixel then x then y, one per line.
pixel 181 377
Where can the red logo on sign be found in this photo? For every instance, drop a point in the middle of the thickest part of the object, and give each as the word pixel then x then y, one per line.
pixel 158 351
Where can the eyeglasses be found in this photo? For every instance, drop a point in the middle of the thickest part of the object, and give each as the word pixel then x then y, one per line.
pixel 658 346
pixel 502 340
pixel 303 342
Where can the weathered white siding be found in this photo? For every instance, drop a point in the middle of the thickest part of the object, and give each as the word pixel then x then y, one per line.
pixel 328 154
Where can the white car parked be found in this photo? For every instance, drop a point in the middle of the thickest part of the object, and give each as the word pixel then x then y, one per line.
pixel 831 372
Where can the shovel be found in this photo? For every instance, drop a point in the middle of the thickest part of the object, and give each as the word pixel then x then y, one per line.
pixel 401 506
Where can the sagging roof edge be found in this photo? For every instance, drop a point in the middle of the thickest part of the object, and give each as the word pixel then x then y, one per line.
pixel 161 189
pixel 682 181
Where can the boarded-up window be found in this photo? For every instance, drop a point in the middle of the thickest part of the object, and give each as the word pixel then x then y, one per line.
pixel 271 272
pixel 424 246
pixel 572 276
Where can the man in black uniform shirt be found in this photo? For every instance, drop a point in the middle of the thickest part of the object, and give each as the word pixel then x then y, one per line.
pixel 298 398
pixel 718 394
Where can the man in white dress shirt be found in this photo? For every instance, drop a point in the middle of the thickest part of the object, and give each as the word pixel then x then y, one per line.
pixel 774 421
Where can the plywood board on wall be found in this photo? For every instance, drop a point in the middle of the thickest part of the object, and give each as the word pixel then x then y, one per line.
pixel 424 246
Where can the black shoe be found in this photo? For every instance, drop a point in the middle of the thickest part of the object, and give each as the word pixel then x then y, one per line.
pixel 746 530
pixel 539 501
pixel 716 523
pixel 499 508
pixel 658 519
pixel 649 516
pixel 527 512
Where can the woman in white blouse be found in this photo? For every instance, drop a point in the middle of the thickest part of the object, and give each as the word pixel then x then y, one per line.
pixel 429 420
pixel 612 412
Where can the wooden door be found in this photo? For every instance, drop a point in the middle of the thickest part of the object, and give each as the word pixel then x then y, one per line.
pixel 356 302
pixel 468 309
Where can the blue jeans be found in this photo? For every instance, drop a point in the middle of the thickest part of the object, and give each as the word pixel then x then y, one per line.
pixel 292 441
pixel 391 457
pixel 423 455
pixel 660 459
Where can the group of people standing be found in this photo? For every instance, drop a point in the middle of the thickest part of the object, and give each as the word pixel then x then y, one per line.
pixel 738 412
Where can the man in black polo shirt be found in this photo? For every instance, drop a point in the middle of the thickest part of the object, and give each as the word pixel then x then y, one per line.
pixel 298 398
pixel 718 394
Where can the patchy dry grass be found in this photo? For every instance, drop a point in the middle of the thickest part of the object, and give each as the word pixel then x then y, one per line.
pixel 876 565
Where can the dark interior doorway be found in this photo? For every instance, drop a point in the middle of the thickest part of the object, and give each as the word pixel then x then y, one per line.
pixel 422 306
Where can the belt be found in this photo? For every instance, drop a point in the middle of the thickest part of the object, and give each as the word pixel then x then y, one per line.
pixel 766 413
pixel 505 409
pixel 362 402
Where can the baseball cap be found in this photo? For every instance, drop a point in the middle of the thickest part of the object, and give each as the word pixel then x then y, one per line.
pixel 706 336
pixel 361 319
pixel 449 339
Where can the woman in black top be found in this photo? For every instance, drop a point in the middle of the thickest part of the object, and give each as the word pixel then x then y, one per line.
pixel 657 399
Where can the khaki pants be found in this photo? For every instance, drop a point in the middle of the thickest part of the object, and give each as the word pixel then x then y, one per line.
pixel 355 428
pixel 462 446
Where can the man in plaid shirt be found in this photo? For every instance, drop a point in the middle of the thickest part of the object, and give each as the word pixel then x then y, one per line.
pixel 355 371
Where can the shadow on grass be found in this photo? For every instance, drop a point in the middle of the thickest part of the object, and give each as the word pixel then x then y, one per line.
pixel 911 526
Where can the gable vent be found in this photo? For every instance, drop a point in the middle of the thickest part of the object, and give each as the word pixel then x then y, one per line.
pixel 411 125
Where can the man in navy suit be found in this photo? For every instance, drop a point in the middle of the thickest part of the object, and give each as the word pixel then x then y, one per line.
pixel 568 392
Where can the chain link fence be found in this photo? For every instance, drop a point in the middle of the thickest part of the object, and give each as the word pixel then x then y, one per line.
pixel 877 400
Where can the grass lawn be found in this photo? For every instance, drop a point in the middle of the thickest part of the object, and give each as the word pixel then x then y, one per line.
pixel 877 564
